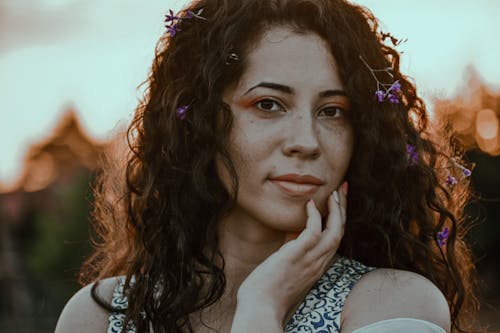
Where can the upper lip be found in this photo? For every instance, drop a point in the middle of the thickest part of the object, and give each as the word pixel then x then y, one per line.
pixel 300 179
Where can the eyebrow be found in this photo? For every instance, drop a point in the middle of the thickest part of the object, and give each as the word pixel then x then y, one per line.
pixel 291 91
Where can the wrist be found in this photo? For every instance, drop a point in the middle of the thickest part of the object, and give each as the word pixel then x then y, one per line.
pixel 260 304
pixel 256 315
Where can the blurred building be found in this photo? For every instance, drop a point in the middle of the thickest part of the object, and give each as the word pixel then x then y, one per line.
pixel 50 196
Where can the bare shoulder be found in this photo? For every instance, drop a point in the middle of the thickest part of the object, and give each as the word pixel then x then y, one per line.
pixel 390 293
pixel 82 313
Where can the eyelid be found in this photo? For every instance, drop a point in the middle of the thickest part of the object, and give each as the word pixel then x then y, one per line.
pixel 342 108
pixel 275 100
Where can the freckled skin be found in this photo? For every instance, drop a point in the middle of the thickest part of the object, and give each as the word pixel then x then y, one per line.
pixel 297 132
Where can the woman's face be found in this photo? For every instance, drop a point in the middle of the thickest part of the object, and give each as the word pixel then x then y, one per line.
pixel 290 118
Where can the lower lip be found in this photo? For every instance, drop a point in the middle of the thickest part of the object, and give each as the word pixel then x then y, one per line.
pixel 295 189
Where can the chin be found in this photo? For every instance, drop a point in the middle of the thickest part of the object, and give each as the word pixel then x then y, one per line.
pixel 289 220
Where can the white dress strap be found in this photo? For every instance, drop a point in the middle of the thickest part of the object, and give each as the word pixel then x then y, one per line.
pixel 399 325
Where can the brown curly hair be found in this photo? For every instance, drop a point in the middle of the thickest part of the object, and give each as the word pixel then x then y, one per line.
pixel 155 214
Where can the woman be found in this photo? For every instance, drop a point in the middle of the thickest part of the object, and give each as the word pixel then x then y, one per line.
pixel 282 177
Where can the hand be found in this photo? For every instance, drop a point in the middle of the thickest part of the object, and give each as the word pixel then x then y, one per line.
pixel 282 280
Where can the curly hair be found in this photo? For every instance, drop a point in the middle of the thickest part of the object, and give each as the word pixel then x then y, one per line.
pixel 155 214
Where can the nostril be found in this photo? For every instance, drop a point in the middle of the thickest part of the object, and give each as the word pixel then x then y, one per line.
pixel 312 152
pixel 301 138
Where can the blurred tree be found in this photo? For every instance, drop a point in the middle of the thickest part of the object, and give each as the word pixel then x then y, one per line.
pixel 473 119
pixel 61 243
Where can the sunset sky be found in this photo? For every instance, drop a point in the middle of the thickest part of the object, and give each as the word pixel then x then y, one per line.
pixel 92 54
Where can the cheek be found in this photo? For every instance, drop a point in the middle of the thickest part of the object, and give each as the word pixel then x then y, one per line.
pixel 223 173
pixel 350 144
pixel 243 159
pixel 339 145
pixel 233 148
pixel 347 150
pixel 250 143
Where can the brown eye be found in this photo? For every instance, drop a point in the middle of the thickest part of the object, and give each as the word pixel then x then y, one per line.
pixel 333 112
pixel 267 105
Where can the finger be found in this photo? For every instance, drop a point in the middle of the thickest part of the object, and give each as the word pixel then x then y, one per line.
pixel 311 235
pixel 334 230
pixel 343 199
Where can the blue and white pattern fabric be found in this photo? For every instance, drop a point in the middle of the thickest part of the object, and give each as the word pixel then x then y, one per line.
pixel 318 313
pixel 118 301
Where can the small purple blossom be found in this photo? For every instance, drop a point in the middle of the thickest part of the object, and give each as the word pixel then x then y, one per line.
pixel 173 30
pixel 450 180
pixel 466 172
pixel 396 87
pixel 170 17
pixel 412 154
pixel 393 98
pixel 442 236
pixel 385 91
pixel 379 94
pixel 181 111
pixel 392 92
pixel 191 14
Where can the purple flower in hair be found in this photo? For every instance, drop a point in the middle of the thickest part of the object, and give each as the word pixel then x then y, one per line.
pixel 412 154
pixel 191 14
pixel 392 92
pixel 396 87
pixel 173 30
pixel 170 17
pixel 393 98
pixel 453 180
pixel 379 94
pixel 450 180
pixel 385 90
pixel 181 111
pixel 466 172
pixel 442 236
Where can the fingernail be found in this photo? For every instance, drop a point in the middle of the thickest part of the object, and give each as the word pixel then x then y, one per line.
pixel 313 203
pixel 345 186
pixel 336 196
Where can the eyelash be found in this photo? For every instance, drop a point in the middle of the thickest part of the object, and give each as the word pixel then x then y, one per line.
pixel 276 102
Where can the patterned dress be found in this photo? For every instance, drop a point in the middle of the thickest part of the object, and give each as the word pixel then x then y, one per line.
pixel 318 313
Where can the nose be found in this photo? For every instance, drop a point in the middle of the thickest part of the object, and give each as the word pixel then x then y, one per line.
pixel 301 138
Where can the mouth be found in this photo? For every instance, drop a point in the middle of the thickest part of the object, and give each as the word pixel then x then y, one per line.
pixel 295 189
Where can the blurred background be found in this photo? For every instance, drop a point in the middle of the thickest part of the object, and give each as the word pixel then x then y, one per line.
pixel 69 77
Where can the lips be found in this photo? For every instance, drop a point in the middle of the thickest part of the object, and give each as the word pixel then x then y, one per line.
pixel 297 185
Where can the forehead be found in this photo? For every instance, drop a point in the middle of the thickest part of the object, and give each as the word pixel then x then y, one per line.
pixel 297 59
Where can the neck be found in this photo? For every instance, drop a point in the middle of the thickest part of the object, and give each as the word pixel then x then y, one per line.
pixel 244 244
